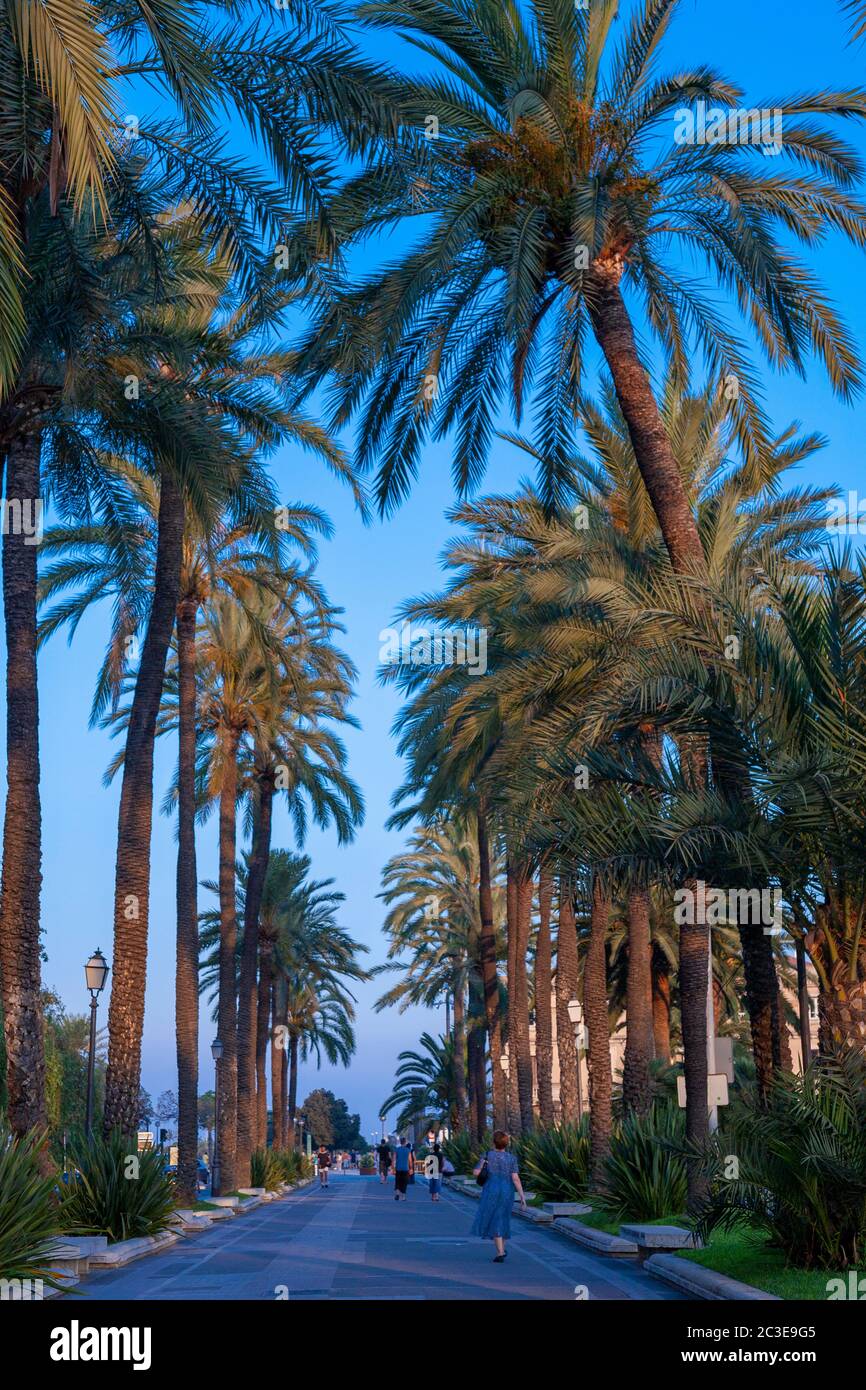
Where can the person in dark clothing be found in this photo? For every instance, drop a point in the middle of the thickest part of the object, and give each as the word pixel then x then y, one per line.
pixel 384 1152
pixel 323 1163
pixel 404 1168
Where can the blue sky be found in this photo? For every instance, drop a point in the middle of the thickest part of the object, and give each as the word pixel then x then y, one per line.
pixel 780 46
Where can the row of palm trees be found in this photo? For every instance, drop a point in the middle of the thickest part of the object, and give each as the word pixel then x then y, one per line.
pixel 572 757
pixel 145 272
pixel 142 389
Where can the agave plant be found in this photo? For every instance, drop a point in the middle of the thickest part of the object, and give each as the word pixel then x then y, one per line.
pixel 644 1174
pixel 28 1210
pixel 799 1174
pixel 116 1192
pixel 555 1162
pixel 464 1151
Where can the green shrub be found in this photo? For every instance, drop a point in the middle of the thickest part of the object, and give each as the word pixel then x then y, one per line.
pixel 290 1166
pixel 554 1163
pixel 799 1175
pixel 645 1174
pixel 29 1215
pixel 367 1165
pixel 464 1151
pixel 114 1191
pixel 265 1170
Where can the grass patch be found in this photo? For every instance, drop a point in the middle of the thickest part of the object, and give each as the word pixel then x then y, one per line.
pixel 747 1257
pixel 205 1206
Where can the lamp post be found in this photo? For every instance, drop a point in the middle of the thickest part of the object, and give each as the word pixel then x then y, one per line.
pixel 95 973
pixel 382 1123
pixel 575 1014
pixel 216 1049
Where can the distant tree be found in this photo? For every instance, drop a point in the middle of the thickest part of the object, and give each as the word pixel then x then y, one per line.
pixel 318 1111
pixel 165 1110
pixel 328 1120
pixel 346 1127
pixel 66 1048
pixel 206 1115
pixel 145 1108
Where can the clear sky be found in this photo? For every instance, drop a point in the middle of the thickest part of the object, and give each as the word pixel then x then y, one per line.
pixel 778 47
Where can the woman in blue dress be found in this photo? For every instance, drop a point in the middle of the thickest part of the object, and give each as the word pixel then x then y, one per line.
pixel 493 1218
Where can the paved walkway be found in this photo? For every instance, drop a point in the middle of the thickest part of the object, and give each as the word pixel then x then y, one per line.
pixel 355 1242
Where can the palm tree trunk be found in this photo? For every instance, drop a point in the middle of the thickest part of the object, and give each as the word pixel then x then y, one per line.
pixel 20 950
pixel 186 978
pixel 595 1012
pixel 543 1010
pixel 460 1054
pixel 661 1006
pixel 278 1067
pixel 490 975
pixel 661 476
pixel 521 1002
pixel 293 1091
pixel 652 449
pixel 283 1034
pixel 263 1014
pixel 512 933
pixel 227 1137
pixel 135 819
pixel 639 1041
pixel 693 980
pixel 476 1063
pixel 566 990
pixel 247 994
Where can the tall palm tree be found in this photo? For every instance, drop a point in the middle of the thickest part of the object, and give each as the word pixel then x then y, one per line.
pixel 431 891
pixel 55 150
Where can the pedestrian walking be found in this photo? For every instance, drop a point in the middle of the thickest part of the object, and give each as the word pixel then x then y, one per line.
pixel 404 1167
pixel 412 1167
pixel 384 1152
pixel 500 1179
pixel 323 1163
pixel 433 1172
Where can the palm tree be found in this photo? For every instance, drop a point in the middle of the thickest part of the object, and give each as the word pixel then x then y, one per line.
pixel 431 891
pixel 424 1082
pixel 556 183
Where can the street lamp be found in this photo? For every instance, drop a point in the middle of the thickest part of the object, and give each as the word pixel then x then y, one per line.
pixel 382 1123
pixel 216 1049
pixel 95 974
pixel 575 1014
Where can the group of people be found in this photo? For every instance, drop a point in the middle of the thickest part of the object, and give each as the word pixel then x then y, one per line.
pixel 496 1172
pixel 402 1159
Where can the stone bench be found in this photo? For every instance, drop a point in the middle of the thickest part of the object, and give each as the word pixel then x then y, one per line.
pixel 224 1201
pixel 659 1240
pixel 575 1209
pixel 536 1214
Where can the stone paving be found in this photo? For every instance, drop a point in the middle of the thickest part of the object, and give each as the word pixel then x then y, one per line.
pixel 354 1241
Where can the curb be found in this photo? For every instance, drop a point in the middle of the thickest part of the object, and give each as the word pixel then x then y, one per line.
pixel 703 1283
